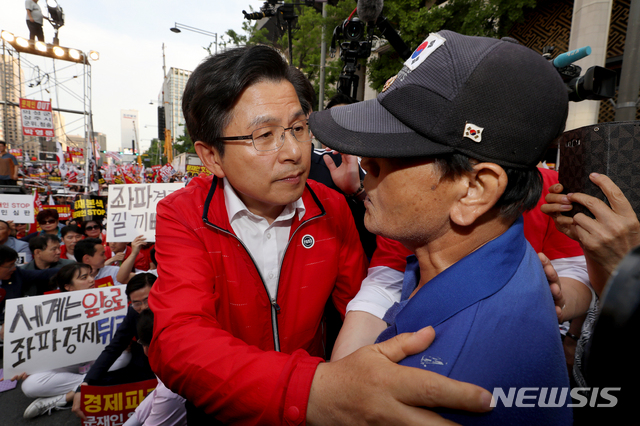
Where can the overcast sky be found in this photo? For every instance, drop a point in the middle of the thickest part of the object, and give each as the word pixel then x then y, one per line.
pixel 129 37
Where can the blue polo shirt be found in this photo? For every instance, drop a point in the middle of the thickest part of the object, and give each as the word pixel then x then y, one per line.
pixel 496 327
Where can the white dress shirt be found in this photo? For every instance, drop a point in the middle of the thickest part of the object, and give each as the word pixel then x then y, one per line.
pixel 266 243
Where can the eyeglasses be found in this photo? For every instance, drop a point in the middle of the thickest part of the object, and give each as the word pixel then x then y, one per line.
pixel 47 222
pixel 92 227
pixel 271 138
pixel 10 265
pixel 139 303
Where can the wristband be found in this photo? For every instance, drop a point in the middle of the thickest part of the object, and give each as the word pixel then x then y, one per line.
pixel 359 191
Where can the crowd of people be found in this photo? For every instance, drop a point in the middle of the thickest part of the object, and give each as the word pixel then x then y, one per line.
pixel 398 276
pixel 68 257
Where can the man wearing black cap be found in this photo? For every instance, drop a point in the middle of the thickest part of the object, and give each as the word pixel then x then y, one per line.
pixel 450 148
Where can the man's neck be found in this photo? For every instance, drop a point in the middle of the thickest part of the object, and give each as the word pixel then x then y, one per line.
pixel 457 243
pixel 41 264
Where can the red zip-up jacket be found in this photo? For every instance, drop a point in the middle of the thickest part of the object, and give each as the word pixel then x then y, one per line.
pixel 217 332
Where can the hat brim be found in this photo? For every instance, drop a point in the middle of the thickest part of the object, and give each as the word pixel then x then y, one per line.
pixel 367 129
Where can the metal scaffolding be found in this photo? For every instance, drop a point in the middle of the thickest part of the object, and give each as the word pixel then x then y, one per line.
pixel 14 67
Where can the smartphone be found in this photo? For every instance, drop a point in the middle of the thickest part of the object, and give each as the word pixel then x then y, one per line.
pixel 612 149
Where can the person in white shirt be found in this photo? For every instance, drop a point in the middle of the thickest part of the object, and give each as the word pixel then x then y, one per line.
pixel 91 252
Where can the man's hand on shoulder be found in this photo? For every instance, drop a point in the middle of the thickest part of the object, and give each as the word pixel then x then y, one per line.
pixel 368 387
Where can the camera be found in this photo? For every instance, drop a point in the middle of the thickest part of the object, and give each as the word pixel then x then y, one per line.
pixel 353 46
pixel 352 30
pixel 596 84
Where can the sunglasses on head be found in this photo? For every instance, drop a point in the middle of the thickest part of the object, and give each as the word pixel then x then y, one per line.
pixel 47 222
pixel 92 227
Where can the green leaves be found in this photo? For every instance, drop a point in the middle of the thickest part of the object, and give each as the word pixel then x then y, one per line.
pixel 412 19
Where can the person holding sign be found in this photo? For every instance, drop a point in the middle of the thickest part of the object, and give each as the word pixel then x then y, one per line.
pixel 17 282
pixel 102 372
pixel 160 407
pixel 91 251
pixel 56 388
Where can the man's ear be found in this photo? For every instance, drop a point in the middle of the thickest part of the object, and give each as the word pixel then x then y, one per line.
pixel 210 158
pixel 484 186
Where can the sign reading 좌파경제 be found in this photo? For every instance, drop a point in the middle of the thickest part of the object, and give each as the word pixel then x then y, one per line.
pixel 132 210
pixel 62 329
pixel 37 118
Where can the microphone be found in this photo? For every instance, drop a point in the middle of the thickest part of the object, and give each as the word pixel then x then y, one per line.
pixel 393 38
pixel 567 58
pixel 369 10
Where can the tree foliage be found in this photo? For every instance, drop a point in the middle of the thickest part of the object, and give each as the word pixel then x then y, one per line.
pixel 412 19
pixel 182 144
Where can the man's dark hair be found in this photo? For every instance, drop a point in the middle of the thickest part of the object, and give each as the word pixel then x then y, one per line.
pixel 139 281
pixel 40 242
pixel 70 228
pixel 65 275
pixel 47 214
pixel 145 327
pixel 7 254
pixel 523 190
pixel 214 87
pixel 86 246
pixel 340 98
pixel 303 88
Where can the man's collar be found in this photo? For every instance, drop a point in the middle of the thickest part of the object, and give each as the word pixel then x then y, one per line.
pixel 471 279
pixel 236 207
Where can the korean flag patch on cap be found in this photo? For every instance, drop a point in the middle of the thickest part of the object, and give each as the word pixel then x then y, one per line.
pixel 423 51
pixel 473 132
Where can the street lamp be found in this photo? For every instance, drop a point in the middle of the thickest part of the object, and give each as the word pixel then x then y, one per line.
pixel 177 28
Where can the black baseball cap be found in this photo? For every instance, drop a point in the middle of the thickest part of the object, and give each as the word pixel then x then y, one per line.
pixel 490 99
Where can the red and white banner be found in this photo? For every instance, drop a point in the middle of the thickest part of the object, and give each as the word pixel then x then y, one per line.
pixel 16 152
pixel 166 172
pixel 75 152
pixel 37 118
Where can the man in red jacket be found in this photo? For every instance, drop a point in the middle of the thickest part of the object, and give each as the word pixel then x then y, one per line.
pixel 247 260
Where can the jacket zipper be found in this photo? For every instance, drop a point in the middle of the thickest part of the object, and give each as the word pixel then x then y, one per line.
pixel 275 308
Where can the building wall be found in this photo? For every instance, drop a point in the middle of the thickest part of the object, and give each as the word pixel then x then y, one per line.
pixel 129 128
pixel 11 89
pixel 173 87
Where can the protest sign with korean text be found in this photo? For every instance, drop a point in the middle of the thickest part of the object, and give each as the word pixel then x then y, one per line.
pixel 37 118
pixel 196 170
pixel 132 209
pixel 16 207
pixel 113 405
pixel 16 152
pixel 89 207
pixel 64 211
pixel 62 329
